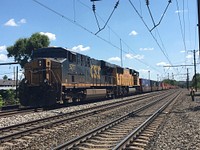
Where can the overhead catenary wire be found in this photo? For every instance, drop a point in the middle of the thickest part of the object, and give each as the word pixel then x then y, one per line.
pixel 94 11
pixel 188 18
pixel 89 31
pixel 74 8
pixel 155 39
pixel 100 29
pixel 181 26
pixel 151 15
pixel 166 56
pixel 110 29
pixel 75 23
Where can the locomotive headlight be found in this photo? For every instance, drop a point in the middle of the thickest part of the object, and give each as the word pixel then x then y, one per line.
pixel 45 80
pixel 40 63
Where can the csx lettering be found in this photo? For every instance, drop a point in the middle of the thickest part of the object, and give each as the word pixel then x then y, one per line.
pixel 95 71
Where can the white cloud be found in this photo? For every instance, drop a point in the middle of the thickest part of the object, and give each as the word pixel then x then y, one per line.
pixel 80 48
pixel 3 48
pixel 22 21
pixel 133 33
pixel 189 56
pixel 117 59
pixel 183 51
pixel 3 57
pixel 146 49
pixel 139 57
pixel 181 11
pixel 51 36
pixel 141 71
pixel 131 56
pixel 163 64
pixel 11 23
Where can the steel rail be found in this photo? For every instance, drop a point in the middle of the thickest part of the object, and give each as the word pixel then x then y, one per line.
pixel 78 140
pixel 139 129
pixel 46 124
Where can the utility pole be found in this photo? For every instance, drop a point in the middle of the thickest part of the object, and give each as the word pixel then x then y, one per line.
pixel 195 71
pixel 187 80
pixel 17 82
pixel 198 10
pixel 121 52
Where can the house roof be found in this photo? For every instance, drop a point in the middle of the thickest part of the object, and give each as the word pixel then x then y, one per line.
pixel 7 82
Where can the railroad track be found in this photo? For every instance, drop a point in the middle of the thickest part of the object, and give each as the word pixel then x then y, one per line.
pixel 9 107
pixel 17 111
pixel 112 133
pixel 139 138
pixel 20 130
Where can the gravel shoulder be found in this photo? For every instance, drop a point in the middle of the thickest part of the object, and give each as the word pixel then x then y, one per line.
pixel 181 129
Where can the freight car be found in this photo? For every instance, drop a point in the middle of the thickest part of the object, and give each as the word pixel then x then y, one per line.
pixel 147 85
pixel 57 75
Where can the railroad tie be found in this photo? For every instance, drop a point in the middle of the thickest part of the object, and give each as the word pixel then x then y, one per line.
pixel 138 144
pixel 134 148
pixel 20 140
pixel 3 147
pixel 142 141
pixel 27 137
pixel 9 144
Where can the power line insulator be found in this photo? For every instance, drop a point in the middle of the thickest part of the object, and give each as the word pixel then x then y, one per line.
pixel 147 2
pixel 93 7
pixel 116 4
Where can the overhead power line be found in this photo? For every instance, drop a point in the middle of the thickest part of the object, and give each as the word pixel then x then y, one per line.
pixel 79 25
pixel 181 26
pixel 76 23
pixel 110 29
pixel 166 56
pixel 151 15
pixel 94 11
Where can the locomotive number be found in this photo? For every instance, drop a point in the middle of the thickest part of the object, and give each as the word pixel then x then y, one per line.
pixel 72 67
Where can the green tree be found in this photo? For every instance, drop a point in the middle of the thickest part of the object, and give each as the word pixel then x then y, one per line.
pixel 23 47
pixel 9 97
pixel 1 101
pixel 171 82
pixel 5 77
pixel 198 80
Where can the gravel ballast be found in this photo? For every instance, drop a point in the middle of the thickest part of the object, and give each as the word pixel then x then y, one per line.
pixel 181 129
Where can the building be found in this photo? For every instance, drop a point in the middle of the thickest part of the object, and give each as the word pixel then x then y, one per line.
pixel 7 84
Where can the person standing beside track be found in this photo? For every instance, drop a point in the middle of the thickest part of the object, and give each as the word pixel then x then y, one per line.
pixel 192 93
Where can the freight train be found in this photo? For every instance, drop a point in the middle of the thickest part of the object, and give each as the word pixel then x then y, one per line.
pixel 58 75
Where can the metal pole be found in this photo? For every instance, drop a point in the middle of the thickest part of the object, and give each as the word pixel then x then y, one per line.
pixel 14 75
pixel 187 79
pixel 195 71
pixel 121 52
pixel 198 9
pixel 16 82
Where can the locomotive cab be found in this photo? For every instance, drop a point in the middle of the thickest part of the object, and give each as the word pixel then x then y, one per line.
pixel 41 85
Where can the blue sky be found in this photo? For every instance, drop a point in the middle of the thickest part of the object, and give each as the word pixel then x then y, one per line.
pixel 72 24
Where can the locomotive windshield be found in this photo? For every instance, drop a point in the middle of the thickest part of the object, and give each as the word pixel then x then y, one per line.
pixel 50 52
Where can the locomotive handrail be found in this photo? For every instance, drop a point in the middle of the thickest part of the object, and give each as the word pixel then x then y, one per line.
pixel 42 70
